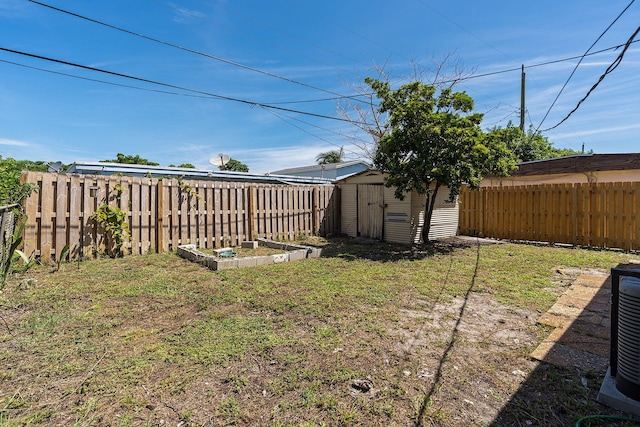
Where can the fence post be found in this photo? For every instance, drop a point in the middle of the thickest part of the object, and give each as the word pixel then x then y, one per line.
pixel 253 225
pixel 315 211
pixel 161 218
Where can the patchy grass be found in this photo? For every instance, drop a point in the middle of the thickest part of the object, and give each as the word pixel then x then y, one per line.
pixel 434 333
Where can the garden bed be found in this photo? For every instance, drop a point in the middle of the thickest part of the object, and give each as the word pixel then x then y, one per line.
pixel 252 254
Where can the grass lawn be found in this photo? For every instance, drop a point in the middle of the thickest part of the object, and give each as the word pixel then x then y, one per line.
pixel 374 335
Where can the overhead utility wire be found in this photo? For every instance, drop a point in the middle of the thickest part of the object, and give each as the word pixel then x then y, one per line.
pixel 219 4
pixel 609 69
pixel 186 49
pixel 284 119
pixel 541 64
pixel 44 70
pixel 167 92
pixel 141 79
pixel 580 61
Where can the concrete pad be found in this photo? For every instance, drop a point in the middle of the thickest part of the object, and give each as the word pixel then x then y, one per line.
pixel 593 281
pixel 582 321
pixel 610 395
pixel 581 292
pixel 563 310
pixel 555 320
pixel 569 357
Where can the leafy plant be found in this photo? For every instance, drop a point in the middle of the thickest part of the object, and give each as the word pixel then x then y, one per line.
pixel 64 253
pixel 10 252
pixel 112 220
pixel 11 190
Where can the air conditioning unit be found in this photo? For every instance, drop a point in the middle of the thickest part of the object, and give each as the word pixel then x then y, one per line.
pixel 625 332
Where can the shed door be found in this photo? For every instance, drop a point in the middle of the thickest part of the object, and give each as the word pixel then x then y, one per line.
pixel 370 210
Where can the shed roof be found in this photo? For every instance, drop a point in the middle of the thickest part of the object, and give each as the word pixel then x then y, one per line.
pixel 103 168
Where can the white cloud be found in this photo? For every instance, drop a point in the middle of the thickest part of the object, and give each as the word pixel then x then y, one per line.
pixel 13 143
pixel 271 159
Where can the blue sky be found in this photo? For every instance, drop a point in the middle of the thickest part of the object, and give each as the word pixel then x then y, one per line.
pixel 317 50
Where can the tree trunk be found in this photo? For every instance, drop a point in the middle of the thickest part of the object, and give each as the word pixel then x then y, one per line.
pixel 430 202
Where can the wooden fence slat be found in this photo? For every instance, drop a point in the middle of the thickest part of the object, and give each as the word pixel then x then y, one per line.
pixel 594 214
pixel 161 215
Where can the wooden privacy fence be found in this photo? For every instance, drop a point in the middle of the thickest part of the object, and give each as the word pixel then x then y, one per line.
pixel 165 213
pixel 598 214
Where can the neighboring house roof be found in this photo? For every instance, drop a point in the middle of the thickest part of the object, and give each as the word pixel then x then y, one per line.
pixel 103 168
pixel 335 171
pixel 579 164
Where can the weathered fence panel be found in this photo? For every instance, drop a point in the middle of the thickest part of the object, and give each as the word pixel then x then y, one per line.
pixel 596 214
pixel 164 213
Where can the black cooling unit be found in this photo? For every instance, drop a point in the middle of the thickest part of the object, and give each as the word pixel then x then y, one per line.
pixel 625 331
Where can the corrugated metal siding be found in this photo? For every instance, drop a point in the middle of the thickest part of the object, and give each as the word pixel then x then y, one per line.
pixel 403 220
pixel 349 210
pixel 444 222
pixel 445 217
pixel 397 218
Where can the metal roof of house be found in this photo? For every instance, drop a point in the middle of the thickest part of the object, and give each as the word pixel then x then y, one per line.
pixel 327 166
pixel 100 168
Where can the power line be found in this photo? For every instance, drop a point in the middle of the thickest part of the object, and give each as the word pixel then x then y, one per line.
pixel 279 30
pixel 186 49
pixel 141 79
pixel 284 119
pixel 44 70
pixel 609 69
pixel 579 62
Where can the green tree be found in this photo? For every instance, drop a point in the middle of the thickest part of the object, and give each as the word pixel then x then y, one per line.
pixel 235 166
pixel 183 165
pixel 130 160
pixel 434 141
pixel 529 146
pixel 11 191
pixel 333 156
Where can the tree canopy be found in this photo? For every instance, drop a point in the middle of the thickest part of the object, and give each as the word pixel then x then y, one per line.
pixel 333 156
pixel 11 191
pixel 131 160
pixel 435 141
pixel 529 146
pixel 235 166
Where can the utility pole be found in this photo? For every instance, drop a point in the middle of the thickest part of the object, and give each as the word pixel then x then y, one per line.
pixel 522 84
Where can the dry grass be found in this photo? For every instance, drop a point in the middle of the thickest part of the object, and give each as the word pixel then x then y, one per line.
pixel 376 335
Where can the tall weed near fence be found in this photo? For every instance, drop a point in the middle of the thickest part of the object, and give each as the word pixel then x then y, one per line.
pixel 597 214
pixel 161 214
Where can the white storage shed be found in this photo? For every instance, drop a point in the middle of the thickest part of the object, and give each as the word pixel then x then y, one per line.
pixel 370 209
